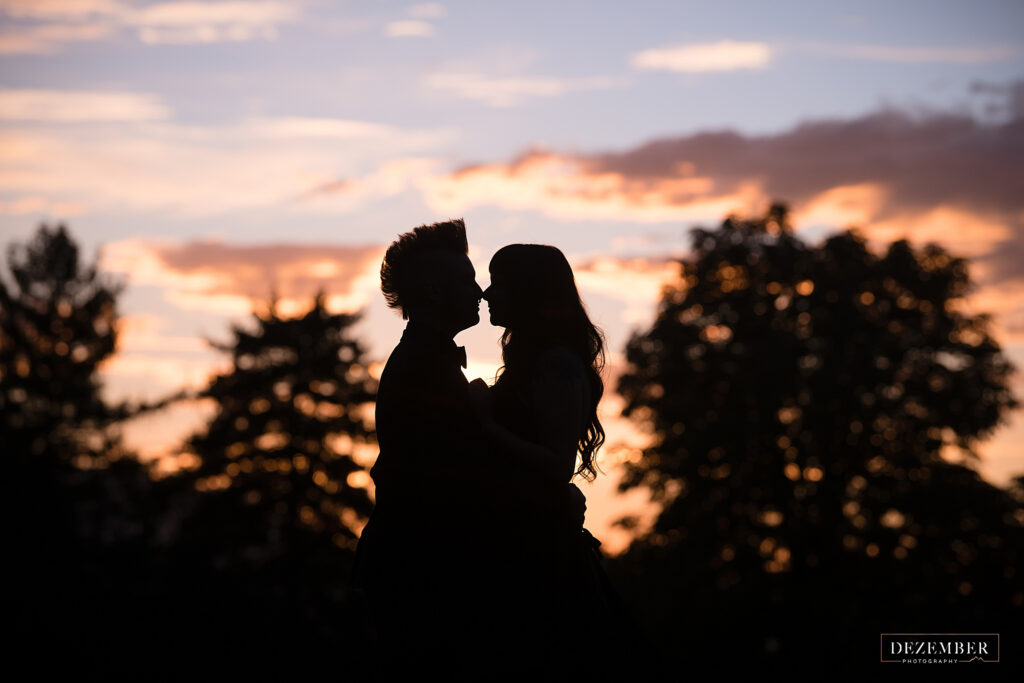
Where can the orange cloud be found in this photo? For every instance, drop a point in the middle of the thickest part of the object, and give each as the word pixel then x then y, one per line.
pixel 142 332
pixel 31 205
pixel 230 279
pixel 637 282
pixel 158 436
pixel 843 205
pixel 150 377
pixel 963 232
pixel 936 177
pixel 563 187
pixel 1004 300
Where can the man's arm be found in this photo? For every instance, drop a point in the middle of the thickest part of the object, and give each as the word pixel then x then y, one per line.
pixel 427 420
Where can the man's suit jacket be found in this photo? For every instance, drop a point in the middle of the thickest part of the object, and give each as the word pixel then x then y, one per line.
pixel 430 478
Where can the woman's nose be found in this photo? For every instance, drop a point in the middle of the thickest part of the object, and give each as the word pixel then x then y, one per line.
pixel 483 294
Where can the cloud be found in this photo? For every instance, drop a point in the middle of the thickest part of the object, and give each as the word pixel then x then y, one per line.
pixel 635 281
pixel 59 9
pixel 232 279
pixel 183 23
pixel 191 35
pixel 149 164
pixel 627 279
pixel 177 23
pixel 144 333
pixel 390 179
pixel 409 28
pixel 965 233
pixel 159 436
pixel 1004 300
pixel 728 55
pixel 921 54
pixel 497 92
pixel 568 188
pixel 153 376
pixel 231 13
pixel 151 364
pixel 429 10
pixel 416 26
pixel 725 55
pixel 49 38
pixel 302 127
pixel 63 106
pixel 936 176
pixel 23 206
pixel 1007 98
pixel 511 91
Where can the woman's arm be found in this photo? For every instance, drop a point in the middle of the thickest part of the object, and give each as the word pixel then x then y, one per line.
pixel 561 403
pixel 520 452
pixel 560 398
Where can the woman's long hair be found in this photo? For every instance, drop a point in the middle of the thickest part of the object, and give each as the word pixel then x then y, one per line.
pixel 545 311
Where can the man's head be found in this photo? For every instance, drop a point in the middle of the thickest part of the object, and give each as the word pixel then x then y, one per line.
pixel 427 274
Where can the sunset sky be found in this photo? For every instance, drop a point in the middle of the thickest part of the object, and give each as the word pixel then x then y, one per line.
pixel 208 151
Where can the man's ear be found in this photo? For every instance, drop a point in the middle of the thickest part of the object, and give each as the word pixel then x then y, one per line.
pixel 431 292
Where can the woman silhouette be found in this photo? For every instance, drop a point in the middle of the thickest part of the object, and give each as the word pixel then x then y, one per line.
pixel 540 413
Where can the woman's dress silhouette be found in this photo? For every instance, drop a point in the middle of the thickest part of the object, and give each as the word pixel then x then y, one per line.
pixel 539 415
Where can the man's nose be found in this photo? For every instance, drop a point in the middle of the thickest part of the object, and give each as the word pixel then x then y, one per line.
pixel 483 293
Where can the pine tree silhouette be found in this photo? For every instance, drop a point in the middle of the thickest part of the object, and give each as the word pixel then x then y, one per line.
pixel 267 524
pixel 799 398
pixel 73 496
pixel 56 326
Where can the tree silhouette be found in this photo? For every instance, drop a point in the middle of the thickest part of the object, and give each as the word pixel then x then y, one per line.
pixel 267 523
pixel 72 493
pixel 798 400
pixel 56 326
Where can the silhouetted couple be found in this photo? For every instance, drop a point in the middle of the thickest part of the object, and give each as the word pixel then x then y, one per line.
pixel 475 562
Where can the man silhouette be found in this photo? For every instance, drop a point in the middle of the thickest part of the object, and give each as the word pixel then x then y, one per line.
pixel 430 559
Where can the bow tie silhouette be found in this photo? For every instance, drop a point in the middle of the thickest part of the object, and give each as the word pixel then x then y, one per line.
pixel 460 355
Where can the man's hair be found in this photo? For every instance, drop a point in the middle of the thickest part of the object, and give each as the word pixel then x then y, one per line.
pixel 399 273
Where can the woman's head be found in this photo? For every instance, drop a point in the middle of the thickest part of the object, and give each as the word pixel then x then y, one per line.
pixel 531 284
pixel 533 295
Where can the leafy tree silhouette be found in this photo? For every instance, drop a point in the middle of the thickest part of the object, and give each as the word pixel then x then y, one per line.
pixel 267 523
pixel 799 398
pixel 72 493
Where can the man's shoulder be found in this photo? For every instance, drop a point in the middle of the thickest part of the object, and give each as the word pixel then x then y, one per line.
pixel 404 359
pixel 409 352
pixel 415 371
